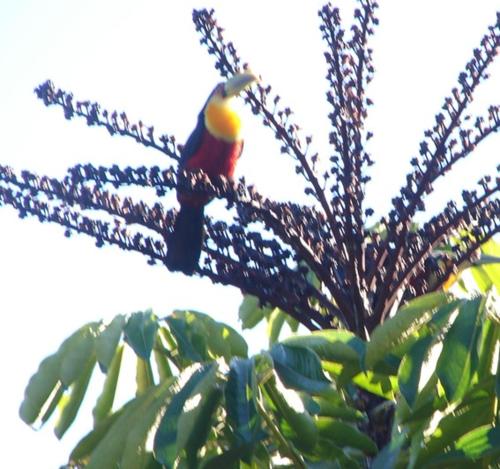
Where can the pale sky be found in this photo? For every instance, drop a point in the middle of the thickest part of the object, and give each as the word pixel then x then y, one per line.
pixel 145 58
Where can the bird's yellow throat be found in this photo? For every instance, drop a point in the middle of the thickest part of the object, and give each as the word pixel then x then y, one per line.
pixel 222 120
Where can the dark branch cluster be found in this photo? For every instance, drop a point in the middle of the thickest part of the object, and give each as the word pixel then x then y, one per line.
pixel 116 123
pixel 274 250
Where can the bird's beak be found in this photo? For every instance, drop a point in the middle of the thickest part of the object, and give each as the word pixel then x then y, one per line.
pixel 239 82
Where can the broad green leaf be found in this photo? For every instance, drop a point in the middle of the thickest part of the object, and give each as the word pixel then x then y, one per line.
pixel 143 376
pixel 454 367
pixel 250 312
pixel 42 385
pixel 109 449
pixel 275 324
pixel 290 407
pixel 76 352
pixel 165 448
pixel 237 344
pixel 123 444
pixel 201 338
pixel 82 451
pixel 388 457
pixel 483 442
pixel 497 380
pixel 140 333
pixel 490 335
pixel 77 392
pixel 195 421
pixel 453 426
pixel 107 341
pixel 52 406
pixel 228 459
pixel 240 402
pixel 428 401
pixel 187 350
pixel 299 368
pixel 134 452
pixel 482 279
pixel 340 410
pixel 381 385
pixel 222 340
pixel 333 345
pixel 162 365
pixel 491 252
pixel 343 434
pixel 292 323
pixel 396 330
pixel 105 401
pixel 411 369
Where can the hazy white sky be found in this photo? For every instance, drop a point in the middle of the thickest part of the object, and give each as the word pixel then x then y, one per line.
pixel 144 57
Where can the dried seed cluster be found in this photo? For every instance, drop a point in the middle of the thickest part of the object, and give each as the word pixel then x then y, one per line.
pixel 319 263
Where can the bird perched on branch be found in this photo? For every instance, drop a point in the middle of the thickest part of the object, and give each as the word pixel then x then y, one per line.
pixel 214 147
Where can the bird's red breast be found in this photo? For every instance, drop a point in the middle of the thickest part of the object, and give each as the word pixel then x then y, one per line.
pixel 215 157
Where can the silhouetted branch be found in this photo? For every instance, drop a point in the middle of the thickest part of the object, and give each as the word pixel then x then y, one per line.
pixel 434 160
pixel 272 249
pixel 263 103
pixel 114 122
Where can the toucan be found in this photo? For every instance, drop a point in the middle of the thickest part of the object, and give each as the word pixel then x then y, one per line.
pixel 214 146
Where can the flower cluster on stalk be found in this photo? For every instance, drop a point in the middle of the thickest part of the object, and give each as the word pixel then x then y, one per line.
pixel 320 262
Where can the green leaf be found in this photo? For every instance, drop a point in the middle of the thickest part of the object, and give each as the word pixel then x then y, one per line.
pixel 340 410
pixel 411 369
pixel 140 333
pixel 82 451
pixel 482 442
pixel 107 452
pixel 342 434
pixel 195 421
pixel 333 345
pixel 162 365
pixel 107 341
pixel 250 312
pixel 123 445
pixel 222 340
pixel 454 367
pixel 497 380
pixel 134 452
pixel 77 392
pixel 229 459
pixel 491 252
pixel 165 448
pixel 289 406
pixel 241 411
pixel 482 279
pixel 42 385
pixel 76 352
pixel 490 335
pixel 396 330
pixel 53 404
pixel 201 338
pixel 187 350
pixel 388 457
pixel 381 385
pixel 293 323
pixel 143 376
pixel 299 368
pixel 453 426
pixel 105 402
pixel 275 324
pixel 428 401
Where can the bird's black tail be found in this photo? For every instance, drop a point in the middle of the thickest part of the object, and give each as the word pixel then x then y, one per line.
pixel 184 244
